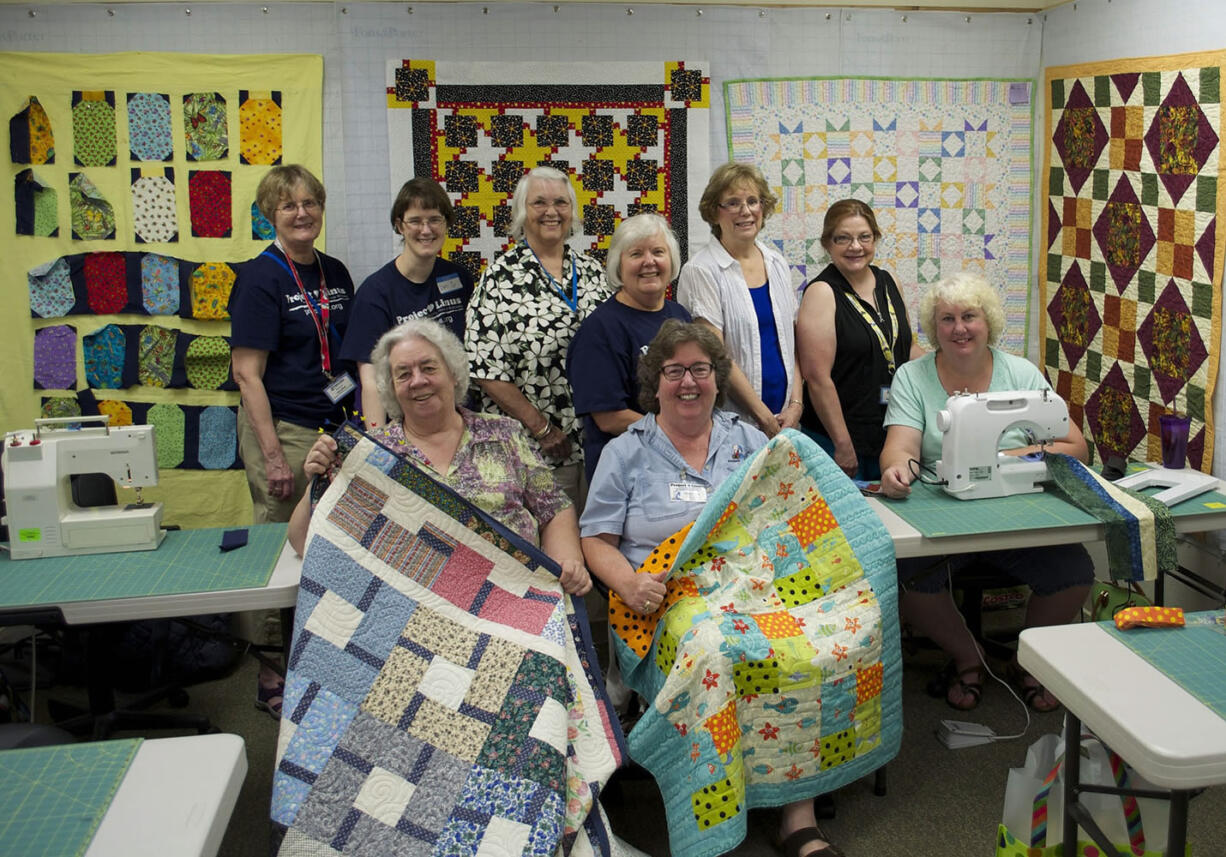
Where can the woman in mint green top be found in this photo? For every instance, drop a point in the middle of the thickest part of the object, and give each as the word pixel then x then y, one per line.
pixel 962 317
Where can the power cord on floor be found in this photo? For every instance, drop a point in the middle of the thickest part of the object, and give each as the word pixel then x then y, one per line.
pixel 957 734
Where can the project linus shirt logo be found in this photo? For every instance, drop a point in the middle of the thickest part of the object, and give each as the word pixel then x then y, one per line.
pixel 442 311
pixel 336 299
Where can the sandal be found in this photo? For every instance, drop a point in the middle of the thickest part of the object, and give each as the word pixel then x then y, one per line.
pixel 270 698
pixel 968 682
pixel 1034 694
pixel 798 839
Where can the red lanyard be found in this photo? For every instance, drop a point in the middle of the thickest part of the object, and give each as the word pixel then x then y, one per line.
pixel 319 314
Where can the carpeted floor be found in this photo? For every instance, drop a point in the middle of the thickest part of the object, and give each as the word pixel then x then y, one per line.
pixel 939 802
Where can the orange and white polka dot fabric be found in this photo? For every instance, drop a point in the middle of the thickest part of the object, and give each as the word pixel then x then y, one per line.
pixel 1149 617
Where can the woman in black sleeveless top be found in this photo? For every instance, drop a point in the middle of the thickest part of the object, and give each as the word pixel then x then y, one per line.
pixel 852 333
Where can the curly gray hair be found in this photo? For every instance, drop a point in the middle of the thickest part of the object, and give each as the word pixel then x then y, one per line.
pixel 449 348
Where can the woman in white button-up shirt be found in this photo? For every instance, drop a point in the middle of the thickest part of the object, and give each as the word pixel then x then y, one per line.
pixel 741 288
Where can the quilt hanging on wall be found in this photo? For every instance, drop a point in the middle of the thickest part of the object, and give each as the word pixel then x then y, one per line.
pixel 1131 272
pixel 945 164
pixel 632 137
pixel 131 180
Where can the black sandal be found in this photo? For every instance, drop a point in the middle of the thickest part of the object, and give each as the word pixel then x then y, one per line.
pixel 1032 694
pixel 800 838
pixel 968 681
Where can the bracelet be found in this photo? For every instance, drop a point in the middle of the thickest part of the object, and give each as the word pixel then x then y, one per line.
pixel 796 402
pixel 540 435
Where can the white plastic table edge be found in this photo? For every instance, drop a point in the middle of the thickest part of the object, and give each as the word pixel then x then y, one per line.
pixel 175 799
pixel 1165 733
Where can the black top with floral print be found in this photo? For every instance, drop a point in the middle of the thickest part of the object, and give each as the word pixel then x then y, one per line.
pixel 519 327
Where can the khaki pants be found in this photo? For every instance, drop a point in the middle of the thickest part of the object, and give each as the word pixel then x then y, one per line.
pixel 572 480
pixel 296 442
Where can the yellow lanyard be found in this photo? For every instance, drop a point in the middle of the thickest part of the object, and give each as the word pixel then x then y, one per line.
pixel 887 346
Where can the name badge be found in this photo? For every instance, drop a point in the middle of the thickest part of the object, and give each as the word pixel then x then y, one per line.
pixel 342 385
pixel 884 397
pixel 687 492
pixel 449 284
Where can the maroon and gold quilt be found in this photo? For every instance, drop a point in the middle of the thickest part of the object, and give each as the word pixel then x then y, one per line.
pixel 1131 270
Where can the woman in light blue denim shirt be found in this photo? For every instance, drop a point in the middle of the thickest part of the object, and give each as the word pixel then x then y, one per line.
pixel 656 477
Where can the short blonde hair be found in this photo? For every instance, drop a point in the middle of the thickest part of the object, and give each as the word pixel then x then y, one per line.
pixel 966 289
pixel 279 184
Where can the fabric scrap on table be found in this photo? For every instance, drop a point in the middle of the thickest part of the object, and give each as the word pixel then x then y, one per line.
pixel 1140 529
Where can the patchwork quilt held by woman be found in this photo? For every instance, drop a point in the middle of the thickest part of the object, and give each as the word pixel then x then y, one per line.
pixel 442 694
pixel 773 667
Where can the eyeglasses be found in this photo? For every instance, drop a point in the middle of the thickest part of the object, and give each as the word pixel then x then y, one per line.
pixel 539 205
pixel 310 206
pixel 753 204
pixel 865 240
pixel 418 222
pixel 698 371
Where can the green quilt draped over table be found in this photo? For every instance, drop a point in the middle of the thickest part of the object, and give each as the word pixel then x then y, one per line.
pixel 773 667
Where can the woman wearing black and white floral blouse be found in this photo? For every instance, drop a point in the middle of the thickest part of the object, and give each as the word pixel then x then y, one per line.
pixel 523 314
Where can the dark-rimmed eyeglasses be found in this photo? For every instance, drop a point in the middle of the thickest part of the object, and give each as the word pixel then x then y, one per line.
pixel 698 371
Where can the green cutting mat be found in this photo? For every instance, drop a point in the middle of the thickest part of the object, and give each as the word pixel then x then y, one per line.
pixel 53 798
pixel 935 514
pixel 186 561
pixel 1194 657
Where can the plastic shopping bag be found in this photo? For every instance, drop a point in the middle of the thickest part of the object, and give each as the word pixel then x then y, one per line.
pixel 1032 823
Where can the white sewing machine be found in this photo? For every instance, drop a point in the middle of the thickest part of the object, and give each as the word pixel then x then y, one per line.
pixel 43 519
pixel 971 467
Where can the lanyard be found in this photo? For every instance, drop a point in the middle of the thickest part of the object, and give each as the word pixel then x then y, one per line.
pixel 887 346
pixel 318 310
pixel 573 300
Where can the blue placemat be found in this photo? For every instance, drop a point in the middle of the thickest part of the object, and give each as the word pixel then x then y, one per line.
pixel 187 561
pixel 1194 656
pixel 53 798
pixel 936 514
